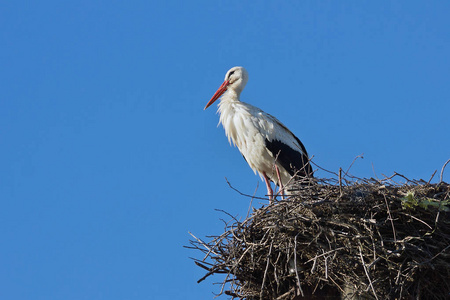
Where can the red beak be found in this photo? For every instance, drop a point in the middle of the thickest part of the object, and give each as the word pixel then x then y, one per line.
pixel 218 93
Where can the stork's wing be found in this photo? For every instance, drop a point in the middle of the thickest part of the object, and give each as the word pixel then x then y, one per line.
pixel 286 148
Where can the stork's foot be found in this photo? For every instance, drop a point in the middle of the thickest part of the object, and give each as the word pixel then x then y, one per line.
pixel 269 188
pixel 270 194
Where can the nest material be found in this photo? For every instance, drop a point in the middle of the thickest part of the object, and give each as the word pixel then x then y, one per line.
pixel 359 239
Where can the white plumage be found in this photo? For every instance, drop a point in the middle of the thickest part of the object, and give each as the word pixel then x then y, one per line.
pixel 266 144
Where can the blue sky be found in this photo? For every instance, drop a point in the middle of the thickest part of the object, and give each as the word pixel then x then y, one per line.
pixel 107 158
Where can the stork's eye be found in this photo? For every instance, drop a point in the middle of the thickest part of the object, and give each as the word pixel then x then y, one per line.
pixel 231 73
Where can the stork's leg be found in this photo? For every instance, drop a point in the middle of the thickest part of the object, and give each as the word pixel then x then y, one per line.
pixel 280 183
pixel 269 188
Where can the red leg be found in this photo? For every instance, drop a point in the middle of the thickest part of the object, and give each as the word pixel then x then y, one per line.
pixel 269 188
pixel 280 183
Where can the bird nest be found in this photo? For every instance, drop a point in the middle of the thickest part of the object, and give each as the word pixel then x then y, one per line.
pixel 355 239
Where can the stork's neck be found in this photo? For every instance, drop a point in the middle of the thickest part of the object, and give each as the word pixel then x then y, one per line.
pixel 229 108
pixel 227 105
pixel 231 95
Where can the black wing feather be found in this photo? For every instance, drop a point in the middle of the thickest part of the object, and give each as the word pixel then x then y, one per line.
pixel 291 159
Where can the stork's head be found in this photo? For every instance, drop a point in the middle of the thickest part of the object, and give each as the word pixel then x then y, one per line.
pixel 235 81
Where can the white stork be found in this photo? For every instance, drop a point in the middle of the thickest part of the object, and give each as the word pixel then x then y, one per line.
pixel 267 145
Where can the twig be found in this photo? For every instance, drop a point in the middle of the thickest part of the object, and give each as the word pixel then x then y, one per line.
pixel 285 295
pixel 428 261
pixel 403 176
pixel 390 217
pixel 336 284
pixel 228 214
pixel 243 194
pixel 202 243
pixel 417 219
pixel 323 254
pixel 432 176
pixel 367 273
pixel 319 167
pixel 442 171
pixel 265 273
pixel 359 156
pixel 211 271
pixel 296 271
pixel 374 174
pixel 251 201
